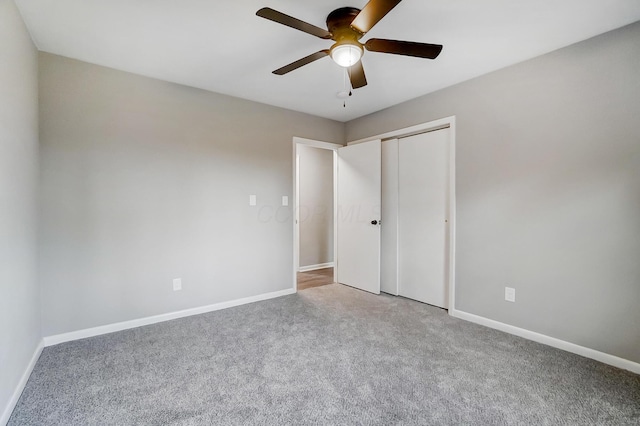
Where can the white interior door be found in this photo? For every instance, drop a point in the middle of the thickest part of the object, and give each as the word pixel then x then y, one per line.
pixel 359 215
pixel 422 217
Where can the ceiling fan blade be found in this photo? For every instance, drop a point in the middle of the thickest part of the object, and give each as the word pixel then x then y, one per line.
pixel 407 48
pixel 290 21
pixel 372 13
pixel 301 62
pixel 356 75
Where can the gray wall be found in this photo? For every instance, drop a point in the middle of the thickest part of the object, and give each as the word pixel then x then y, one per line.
pixel 19 302
pixel 144 181
pixel 316 205
pixel 548 190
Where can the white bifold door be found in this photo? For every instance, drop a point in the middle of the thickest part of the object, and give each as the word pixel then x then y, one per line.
pixel 358 221
pixel 415 217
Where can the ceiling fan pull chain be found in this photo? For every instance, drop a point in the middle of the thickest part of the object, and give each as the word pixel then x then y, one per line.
pixel 346 80
pixel 344 86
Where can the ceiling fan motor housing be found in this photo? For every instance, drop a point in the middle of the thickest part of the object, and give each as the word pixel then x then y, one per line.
pixel 339 24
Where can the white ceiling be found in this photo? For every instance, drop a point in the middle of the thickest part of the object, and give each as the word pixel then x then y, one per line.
pixel 224 47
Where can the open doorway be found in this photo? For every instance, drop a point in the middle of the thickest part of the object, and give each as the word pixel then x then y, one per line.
pixel 315 206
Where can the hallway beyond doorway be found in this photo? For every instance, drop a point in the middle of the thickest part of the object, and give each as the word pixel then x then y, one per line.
pixel 316 278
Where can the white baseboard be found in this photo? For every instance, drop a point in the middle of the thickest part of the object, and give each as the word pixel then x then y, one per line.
pixel 4 419
pixel 613 360
pixel 110 328
pixel 315 267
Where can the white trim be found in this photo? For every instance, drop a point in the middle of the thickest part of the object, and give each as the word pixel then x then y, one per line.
pixel 125 325
pixel 309 268
pixel 6 414
pixel 296 215
pixel 408 131
pixel 316 144
pixel 296 202
pixel 397 293
pixel 613 360
pixel 335 216
pixel 443 123
pixel 452 211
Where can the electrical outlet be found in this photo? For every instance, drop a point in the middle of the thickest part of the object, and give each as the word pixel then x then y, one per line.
pixel 177 284
pixel 510 294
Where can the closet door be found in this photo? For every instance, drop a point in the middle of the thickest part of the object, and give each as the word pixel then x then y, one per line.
pixel 359 215
pixel 422 217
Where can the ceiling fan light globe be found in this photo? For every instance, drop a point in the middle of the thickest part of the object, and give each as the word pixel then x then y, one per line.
pixel 346 55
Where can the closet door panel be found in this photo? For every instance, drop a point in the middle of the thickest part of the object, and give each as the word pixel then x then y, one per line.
pixel 422 213
pixel 389 227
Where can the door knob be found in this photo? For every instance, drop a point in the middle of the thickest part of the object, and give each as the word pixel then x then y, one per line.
pixel 374 222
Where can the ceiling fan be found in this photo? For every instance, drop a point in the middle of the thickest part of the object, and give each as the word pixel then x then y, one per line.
pixel 346 26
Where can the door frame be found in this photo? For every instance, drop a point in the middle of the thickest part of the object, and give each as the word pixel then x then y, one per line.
pixel 443 123
pixel 296 203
